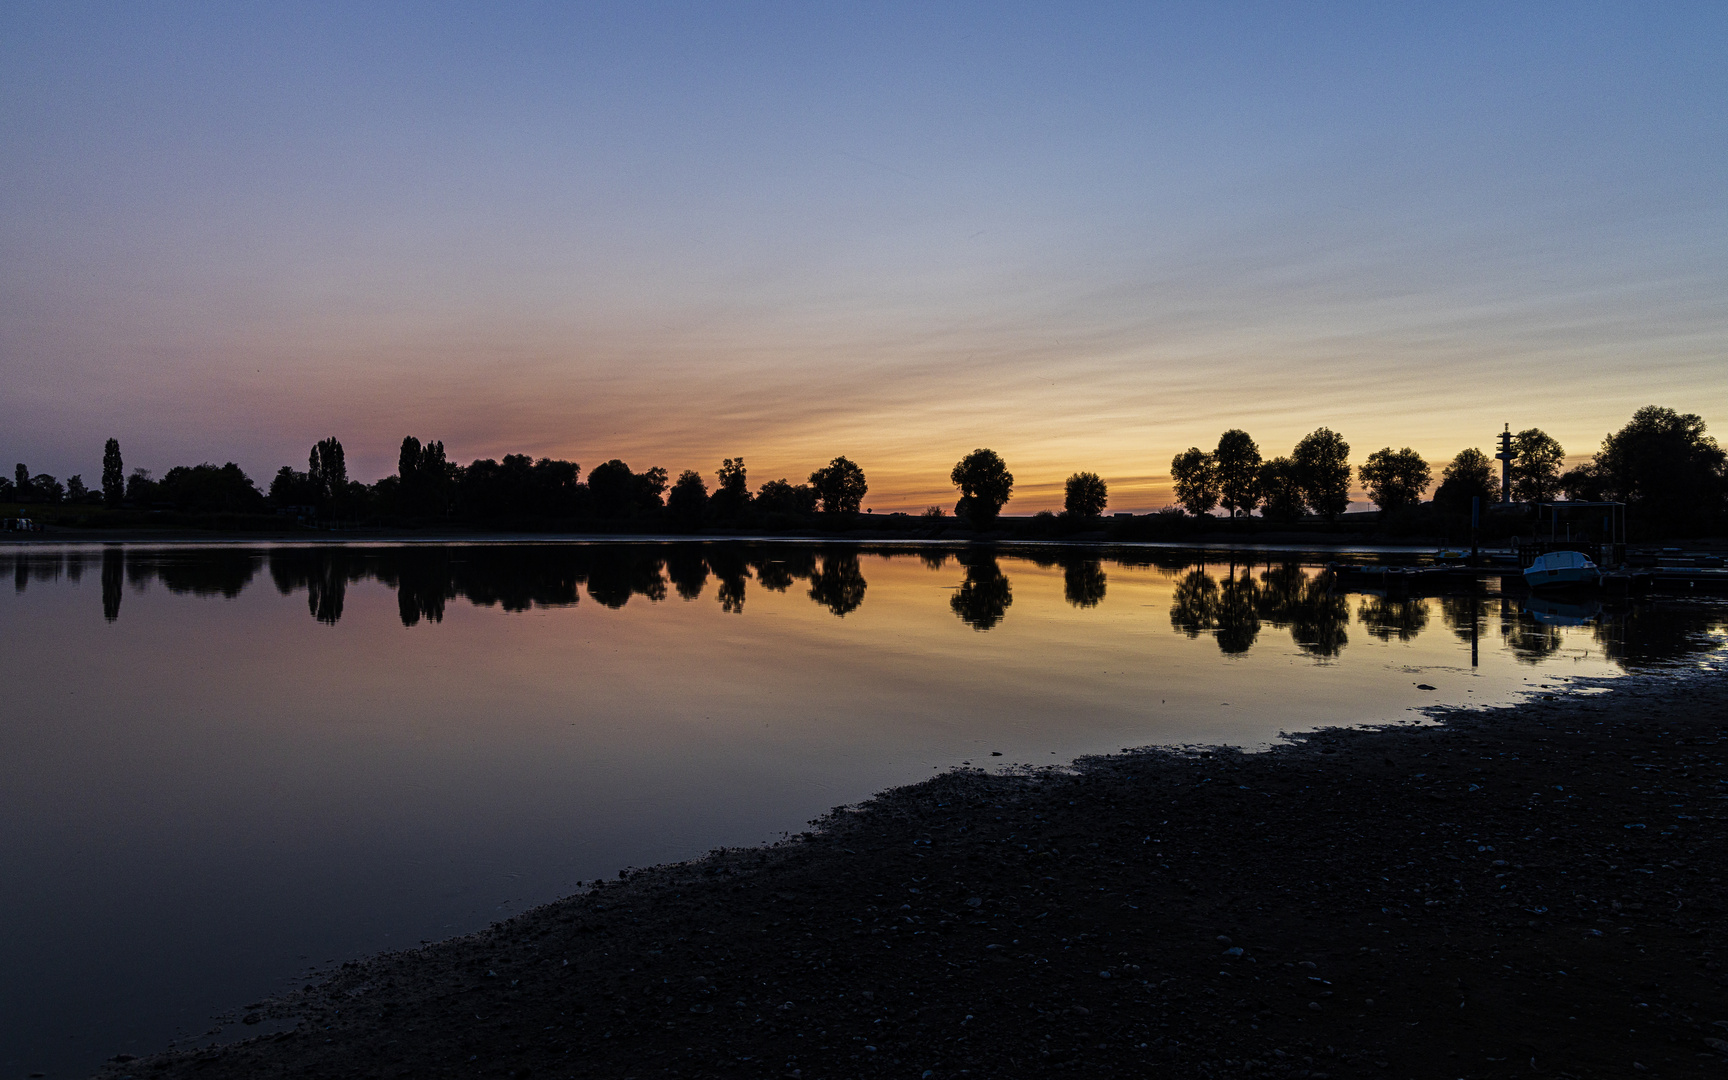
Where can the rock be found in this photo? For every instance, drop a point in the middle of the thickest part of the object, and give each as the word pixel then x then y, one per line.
pixel 1234 951
pixel 974 901
pixel 1315 1005
pixel 1224 939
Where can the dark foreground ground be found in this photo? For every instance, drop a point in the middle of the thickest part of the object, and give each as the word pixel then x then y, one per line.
pixel 1528 892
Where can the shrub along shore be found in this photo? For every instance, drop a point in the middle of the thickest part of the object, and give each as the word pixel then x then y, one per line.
pixel 1531 890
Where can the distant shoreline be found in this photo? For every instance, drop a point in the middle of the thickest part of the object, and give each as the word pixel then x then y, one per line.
pixel 193 537
pixel 1513 884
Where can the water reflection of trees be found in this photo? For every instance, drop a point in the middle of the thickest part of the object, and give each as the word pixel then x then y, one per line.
pixel 1232 603
pixel 1317 617
pixel 1083 582
pixel 1388 617
pixel 985 595
pixel 1529 639
pixel 839 584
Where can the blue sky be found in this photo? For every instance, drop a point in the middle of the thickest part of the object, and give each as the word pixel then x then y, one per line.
pixel 1087 236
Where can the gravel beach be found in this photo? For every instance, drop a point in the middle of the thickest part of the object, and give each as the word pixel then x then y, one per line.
pixel 1515 892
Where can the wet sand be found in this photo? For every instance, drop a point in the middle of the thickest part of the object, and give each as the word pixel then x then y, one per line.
pixel 1516 892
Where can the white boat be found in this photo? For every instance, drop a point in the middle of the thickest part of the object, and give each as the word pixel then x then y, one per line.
pixel 1561 568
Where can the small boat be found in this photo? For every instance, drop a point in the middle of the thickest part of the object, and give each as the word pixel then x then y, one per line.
pixel 1558 569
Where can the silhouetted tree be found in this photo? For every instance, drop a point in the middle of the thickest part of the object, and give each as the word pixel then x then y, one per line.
pixel 616 492
pixel 1196 476
pixel 426 482
pixel 1322 461
pixel 288 488
pixel 1281 490
pixel 113 474
pixel 782 497
pixel 8 492
pixel 839 585
pixel 140 489
pixel 840 486
pixel 45 488
pixel 1395 478
pixel 1084 495
pixel 1084 582
pixel 1238 463
pixel 687 500
pixel 208 489
pixel 985 596
pixel 75 490
pixel 518 489
pixel 327 469
pixel 985 486
pixel 732 497
pixel 21 482
pixel 1664 467
pixel 1470 475
pixel 1536 461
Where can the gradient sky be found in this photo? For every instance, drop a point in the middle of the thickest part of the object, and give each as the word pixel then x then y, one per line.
pixel 1085 236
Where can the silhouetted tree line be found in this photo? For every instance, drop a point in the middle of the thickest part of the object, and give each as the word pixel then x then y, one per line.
pixel 1662 464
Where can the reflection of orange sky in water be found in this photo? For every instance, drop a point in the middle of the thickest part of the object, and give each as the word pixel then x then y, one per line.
pixel 927 636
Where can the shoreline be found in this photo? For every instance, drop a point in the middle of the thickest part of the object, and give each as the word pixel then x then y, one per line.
pixel 1529 887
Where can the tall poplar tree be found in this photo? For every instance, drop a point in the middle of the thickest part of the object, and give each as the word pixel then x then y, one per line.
pixel 113 474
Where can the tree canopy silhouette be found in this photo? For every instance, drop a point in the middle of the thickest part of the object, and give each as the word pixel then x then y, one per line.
pixel 687 500
pixel 1536 461
pixel 985 486
pixel 732 497
pixel 840 486
pixel 1672 475
pixel 1395 479
pixel 1196 476
pixel 207 489
pixel 1322 461
pixel 1470 475
pixel 113 474
pixel 1084 495
pixel 782 497
pixel 616 492
pixel 327 469
pixel 1281 490
pixel 1237 460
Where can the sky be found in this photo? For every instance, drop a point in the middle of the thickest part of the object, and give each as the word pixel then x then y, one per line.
pixel 1086 236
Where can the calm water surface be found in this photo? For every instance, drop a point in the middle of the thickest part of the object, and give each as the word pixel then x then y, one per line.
pixel 221 767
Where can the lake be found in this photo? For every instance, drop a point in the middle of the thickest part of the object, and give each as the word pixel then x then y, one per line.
pixel 227 766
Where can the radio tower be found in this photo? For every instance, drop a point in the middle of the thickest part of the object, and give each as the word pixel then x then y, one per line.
pixel 1505 459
